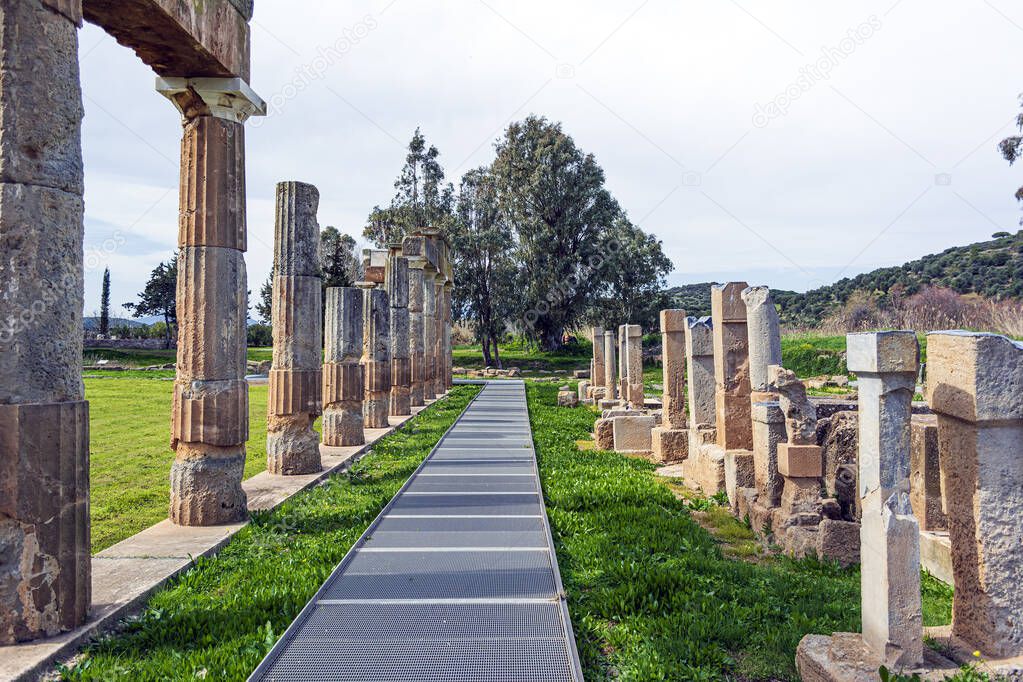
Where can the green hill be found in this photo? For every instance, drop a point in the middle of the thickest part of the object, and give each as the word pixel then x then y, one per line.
pixel 993 269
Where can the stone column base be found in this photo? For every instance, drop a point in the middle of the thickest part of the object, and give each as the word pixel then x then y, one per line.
pixel 739 473
pixel 633 434
pixel 844 657
pixel 206 485
pixel 670 445
pixel 292 446
pixel 343 424
pixel 704 470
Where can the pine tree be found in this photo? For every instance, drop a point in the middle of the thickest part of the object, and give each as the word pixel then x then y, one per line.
pixel 104 304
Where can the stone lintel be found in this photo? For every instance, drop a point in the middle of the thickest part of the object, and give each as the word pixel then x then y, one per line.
pixel 198 39
pixel 230 99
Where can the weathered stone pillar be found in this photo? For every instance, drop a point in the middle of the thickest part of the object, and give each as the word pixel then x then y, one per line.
pixel 886 366
pixel 343 384
pixel 294 397
pixel 439 384
pixel 610 366
pixel 768 422
pixel 671 439
pixel 397 284
pixel 429 333
pixel 623 364
pixel 974 385
pixel 417 356
pixel 449 287
pixel 700 372
pixel 376 356
pixel 731 367
pixel 634 353
pixel 45 569
pixel 597 376
pixel 210 418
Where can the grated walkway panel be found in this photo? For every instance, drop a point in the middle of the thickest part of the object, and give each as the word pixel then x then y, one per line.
pixel 455 580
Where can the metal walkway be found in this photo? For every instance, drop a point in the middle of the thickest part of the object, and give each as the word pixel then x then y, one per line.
pixel 456 580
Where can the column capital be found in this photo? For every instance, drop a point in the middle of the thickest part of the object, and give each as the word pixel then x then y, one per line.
pixel 228 98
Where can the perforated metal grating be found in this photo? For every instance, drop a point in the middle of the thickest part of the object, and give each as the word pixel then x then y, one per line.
pixel 455 580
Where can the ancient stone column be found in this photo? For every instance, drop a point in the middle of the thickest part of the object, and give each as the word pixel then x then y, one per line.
pixel 376 356
pixel 397 284
pixel 343 383
pixel 974 385
pixel 634 354
pixel 429 333
pixel 597 376
pixel 417 356
pixel 623 363
pixel 294 397
pixel 45 568
pixel 439 361
pixel 731 367
pixel 768 422
pixel 210 414
pixel 886 366
pixel 610 366
pixel 671 439
pixel 700 372
pixel 449 292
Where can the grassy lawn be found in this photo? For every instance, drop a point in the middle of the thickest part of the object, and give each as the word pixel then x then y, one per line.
pixel 653 594
pixel 471 357
pixel 130 455
pixel 146 358
pixel 219 620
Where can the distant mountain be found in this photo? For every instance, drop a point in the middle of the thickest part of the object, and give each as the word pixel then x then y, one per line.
pixel 992 268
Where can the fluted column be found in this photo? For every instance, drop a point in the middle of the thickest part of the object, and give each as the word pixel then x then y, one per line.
pixel 417 355
pixel 439 384
pixel 343 384
pixel 449 381
pixel 376 315
pixel 210 416
pixel 397 285
pixel 429 333
pixel 45 581
pixel 294 398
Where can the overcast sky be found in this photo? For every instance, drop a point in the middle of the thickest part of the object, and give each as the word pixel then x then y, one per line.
pixel 783 143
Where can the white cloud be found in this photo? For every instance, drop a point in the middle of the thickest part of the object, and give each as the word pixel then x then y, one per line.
pixel 655 90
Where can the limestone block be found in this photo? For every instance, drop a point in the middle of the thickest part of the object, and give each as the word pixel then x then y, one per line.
pixel 731 367
pixel 610 365
pixel 40 289
pixel 633 434
pixel 297 331
pixel 799 461
pixel 212 195
pixel 597 367
pixel 206 485
pixel 603 431
pixel 211 346
pixel 293 391
pixel 925 473
pixel 704 469
pixel 739 473
pixel 700 371
pixel 568 399
pixel 936 555
pixel 211 412
pixel 583 390
pixel 45 564
pixel 839 541
pixel 41 103
pixel 670 445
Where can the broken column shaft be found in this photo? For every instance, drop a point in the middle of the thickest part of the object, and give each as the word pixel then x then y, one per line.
pixel 397 285
pixel 597 376
pixel 294 398
pixel 671 440
pixel 343 384
pixel 376 356
pixel 731 367
pixel 610 365
pixel 768 422
pixel 886 366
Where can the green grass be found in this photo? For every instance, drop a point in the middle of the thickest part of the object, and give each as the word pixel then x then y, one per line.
pixel 130 455
pixel 515 355
pixel 147 358
pixel 221 617
pixel 653 596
